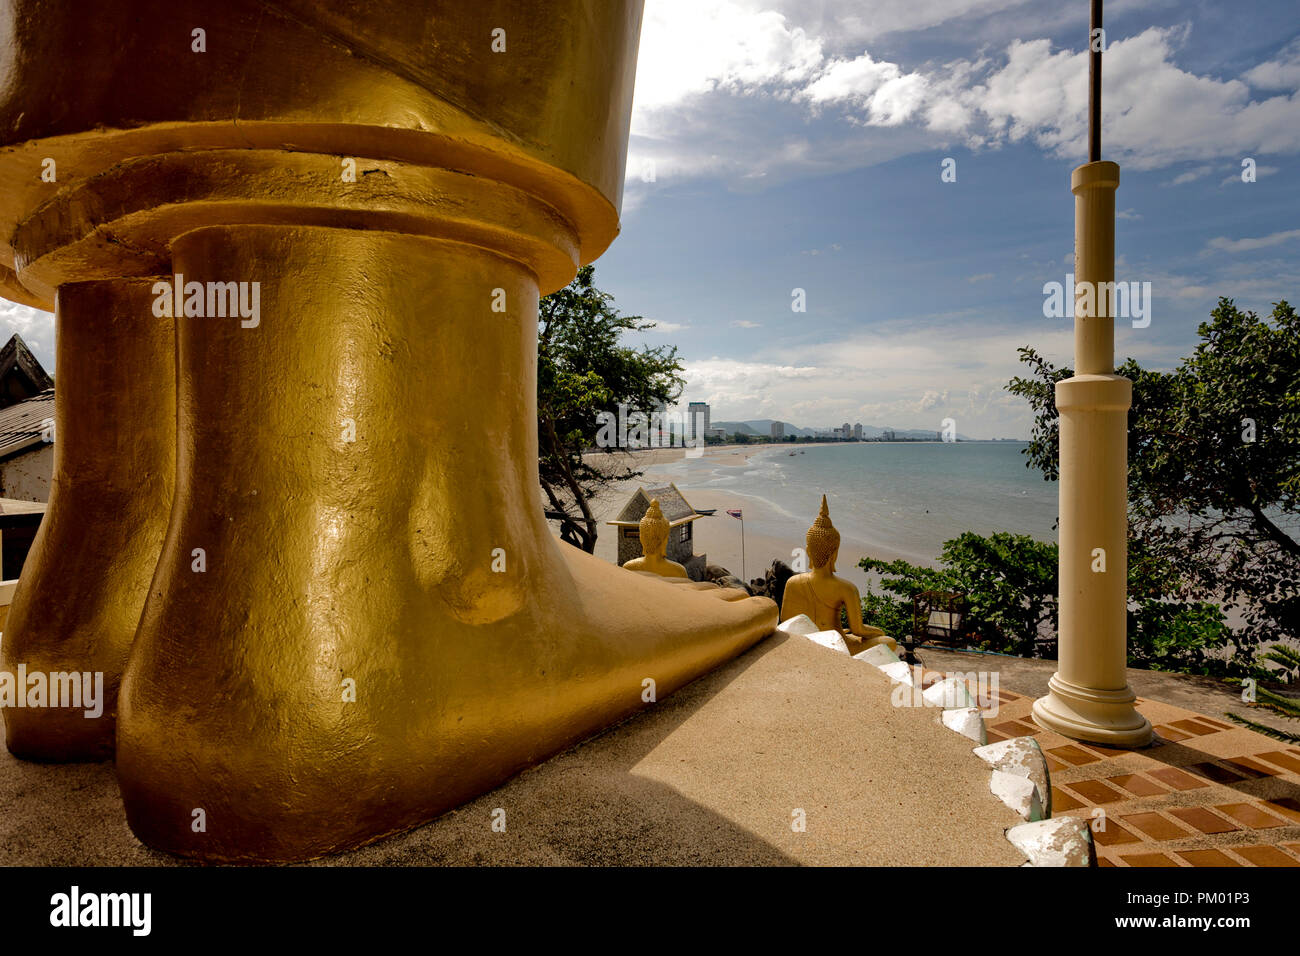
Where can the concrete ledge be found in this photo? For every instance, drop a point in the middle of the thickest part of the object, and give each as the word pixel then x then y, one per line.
pixel 1018 793
pixel 1023 757
pixel 877 656
pixel 948 693
pixel 1063 841
pixel 800 624
pixel 966 721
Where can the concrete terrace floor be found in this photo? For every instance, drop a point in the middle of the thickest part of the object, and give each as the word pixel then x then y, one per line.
pixel 712 775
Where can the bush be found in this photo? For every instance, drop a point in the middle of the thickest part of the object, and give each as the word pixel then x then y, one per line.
pixel 1009 583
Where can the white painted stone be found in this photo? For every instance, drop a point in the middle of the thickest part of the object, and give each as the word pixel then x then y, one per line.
pixel 1061 841
pixel 878 656
pixel 967 721
pixel 949 692
pixel 899 672
pixel 801 625
pixel 1023 757
pixel 832 639
pixel 1018 793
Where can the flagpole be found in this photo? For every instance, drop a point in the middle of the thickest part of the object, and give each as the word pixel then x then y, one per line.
pixel 743 575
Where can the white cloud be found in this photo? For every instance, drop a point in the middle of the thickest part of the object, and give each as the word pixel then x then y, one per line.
pixel 915 380
pixel 888 96
pixel 665 328
pixel 1260 171
pixel 1224 244
pixel 745 324
pixel 855 21
pixel 1182 179
pixel 691 47
pixel 982 277
pixel 1280 73
pixel 35 327
pixel 748 94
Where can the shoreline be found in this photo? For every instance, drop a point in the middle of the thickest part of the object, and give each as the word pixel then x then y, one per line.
pixel 770 532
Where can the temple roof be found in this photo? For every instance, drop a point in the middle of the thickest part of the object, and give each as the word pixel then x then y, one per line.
pixel 20 424
pixel 672 503
pixel 21 373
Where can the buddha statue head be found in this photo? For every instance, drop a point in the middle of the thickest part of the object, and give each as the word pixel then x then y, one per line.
pixel 654 531
pixel 823 540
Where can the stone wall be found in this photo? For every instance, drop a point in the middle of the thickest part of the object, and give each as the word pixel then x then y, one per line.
pixel 26 477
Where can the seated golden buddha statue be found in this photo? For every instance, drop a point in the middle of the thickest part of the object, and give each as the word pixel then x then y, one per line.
pixel 821 595
pixel 654 545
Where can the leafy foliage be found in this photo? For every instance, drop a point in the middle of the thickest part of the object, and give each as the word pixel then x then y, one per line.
pixel 1009 583
pixel 1214 471
pixel 1007 580
pixel 1288 670
pixel 583 369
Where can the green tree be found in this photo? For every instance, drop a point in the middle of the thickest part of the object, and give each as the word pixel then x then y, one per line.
pixel 1287 671
pixel 1214 469
pixel 1009 583
pixel 583 369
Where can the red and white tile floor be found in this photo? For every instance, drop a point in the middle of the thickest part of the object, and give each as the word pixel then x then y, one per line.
pixel 1207 793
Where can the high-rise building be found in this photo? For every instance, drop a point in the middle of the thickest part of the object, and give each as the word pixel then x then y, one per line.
pixel 697 428
pixel 846 431
pixel 857 432
pixel 778 431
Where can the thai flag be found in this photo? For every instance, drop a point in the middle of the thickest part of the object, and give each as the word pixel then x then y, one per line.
pixel 736 513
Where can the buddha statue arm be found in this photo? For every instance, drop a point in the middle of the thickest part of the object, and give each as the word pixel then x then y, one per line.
pixel 853 607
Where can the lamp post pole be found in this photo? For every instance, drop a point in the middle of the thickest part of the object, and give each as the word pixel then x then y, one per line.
pixel 1089 697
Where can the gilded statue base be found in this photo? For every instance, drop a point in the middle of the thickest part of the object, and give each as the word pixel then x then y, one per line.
pixel 385 626
pixel 85 579
pixel 358 617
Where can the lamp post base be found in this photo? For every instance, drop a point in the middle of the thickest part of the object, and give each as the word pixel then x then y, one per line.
pixel 1098 716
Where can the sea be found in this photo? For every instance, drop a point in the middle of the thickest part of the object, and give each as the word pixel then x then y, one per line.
pixel 903 498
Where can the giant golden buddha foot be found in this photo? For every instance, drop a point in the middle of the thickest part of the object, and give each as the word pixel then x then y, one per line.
pixel 84 583
pixel 360 618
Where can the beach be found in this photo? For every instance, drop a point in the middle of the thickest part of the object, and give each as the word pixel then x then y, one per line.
pixel 724 478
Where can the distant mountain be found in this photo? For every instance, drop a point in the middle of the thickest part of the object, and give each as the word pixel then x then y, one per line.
pixel 763 427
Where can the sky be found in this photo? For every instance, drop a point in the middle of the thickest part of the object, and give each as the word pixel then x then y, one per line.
pixel 799 144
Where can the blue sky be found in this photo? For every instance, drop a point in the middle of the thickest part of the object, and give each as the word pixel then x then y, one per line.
pixel 798 144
